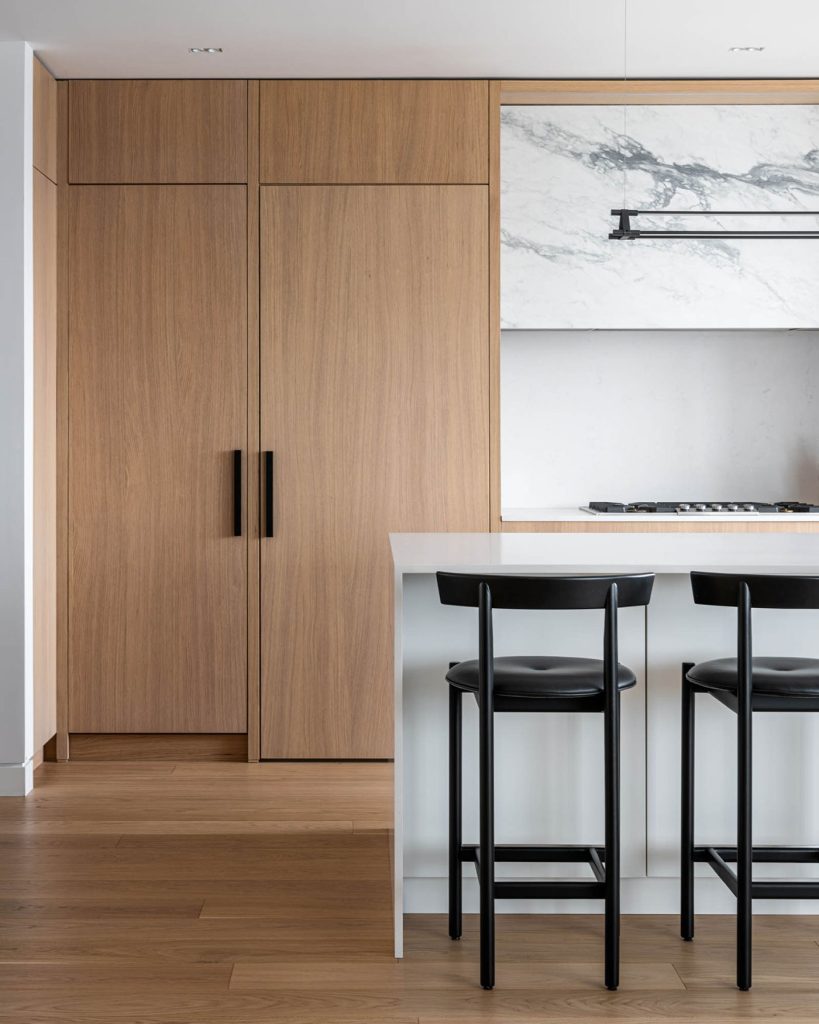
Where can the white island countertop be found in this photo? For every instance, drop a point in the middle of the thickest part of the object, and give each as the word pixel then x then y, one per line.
pixel 796 553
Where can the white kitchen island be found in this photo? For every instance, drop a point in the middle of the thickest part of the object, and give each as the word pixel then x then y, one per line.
pixel 549 775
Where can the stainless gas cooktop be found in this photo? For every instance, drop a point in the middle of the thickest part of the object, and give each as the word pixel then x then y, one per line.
pixel 700 508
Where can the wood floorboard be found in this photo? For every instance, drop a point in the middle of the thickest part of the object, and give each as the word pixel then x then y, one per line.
pixel 163 893
pixel 387 976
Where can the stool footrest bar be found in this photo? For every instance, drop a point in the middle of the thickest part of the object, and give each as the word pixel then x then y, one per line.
pixel 536 889
pixel 719 858
pixel 545 889
pixel 764 854
pixel 543 854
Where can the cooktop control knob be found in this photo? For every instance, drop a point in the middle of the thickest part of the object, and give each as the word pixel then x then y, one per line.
pixel 683 508
pixel 701 508
pixel 716 507
pixel 732 507
pixel 749 508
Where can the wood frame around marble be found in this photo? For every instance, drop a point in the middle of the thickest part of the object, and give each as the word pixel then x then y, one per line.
pixel 620 91
pixel 590 92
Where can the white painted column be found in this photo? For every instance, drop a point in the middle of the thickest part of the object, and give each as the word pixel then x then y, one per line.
pixel 16 421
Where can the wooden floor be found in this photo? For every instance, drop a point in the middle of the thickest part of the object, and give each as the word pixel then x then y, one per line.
pixel 261 893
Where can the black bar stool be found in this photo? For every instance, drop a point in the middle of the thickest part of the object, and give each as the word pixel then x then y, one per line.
pixel 745 684
pixel 541 684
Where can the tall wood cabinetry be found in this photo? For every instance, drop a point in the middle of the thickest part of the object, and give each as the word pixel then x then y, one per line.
pixel 157 256
pixel 363 207
pixel 374 381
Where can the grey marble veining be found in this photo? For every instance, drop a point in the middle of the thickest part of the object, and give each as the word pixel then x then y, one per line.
pixel 563 168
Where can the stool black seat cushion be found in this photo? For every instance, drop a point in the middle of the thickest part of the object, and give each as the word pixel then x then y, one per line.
pixel 775 677
pixel 531 677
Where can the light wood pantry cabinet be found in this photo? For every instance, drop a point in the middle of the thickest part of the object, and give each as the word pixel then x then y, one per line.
pixel 157 623
pixel 374 392
pixel 292 267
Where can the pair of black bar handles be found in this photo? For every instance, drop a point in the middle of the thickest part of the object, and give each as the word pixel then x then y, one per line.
pixel 267 460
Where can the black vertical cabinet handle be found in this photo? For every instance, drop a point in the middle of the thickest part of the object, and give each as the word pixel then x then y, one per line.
pixel 268 494
pixel 237 492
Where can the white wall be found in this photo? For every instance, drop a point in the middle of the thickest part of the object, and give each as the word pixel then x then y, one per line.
pixel 667 415
pixel 16 421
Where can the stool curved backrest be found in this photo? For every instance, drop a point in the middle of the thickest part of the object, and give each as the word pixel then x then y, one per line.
pixel 544 592
pixel 768 591
pixel 488 591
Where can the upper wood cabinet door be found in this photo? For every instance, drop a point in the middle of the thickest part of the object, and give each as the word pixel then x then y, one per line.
pixel 157 403
pixel 346 132
pixel 374 398
pixel 155 131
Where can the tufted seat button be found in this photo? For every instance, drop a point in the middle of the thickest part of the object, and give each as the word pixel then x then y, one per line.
pixel 531 677
pixel 775 677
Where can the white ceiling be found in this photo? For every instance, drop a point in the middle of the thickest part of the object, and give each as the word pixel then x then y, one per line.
pixel 418 38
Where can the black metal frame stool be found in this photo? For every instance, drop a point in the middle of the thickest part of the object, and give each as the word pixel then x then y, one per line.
pixel 745 685
pixel 541 684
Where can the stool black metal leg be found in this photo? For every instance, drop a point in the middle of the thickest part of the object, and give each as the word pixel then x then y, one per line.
pixel 487 854
pixel 687 804
pixel 455 813
pixel 611 729
pixel 744 794
pixel 487 788
pixel 612 925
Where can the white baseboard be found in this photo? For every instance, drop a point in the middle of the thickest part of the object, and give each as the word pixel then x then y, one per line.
pixel 17 779
pixel 638 896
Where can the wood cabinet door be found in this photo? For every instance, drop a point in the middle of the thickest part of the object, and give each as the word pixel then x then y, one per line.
pixel 157 403
pixel 157 131
pixel 322 132
pixel 374 399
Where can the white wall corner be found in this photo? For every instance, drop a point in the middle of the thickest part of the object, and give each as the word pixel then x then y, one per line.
pixel 16 420
pixel 17 779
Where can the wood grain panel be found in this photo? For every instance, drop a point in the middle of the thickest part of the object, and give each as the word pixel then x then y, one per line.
pixel 659 91
pixel 348 132
pixel 374 364
pixel 183 131
pixel 45 458
pixel 253 458
pixel 494 307
pixel 158 393
pixel 158 747
pixel 62 421
pixel 45 122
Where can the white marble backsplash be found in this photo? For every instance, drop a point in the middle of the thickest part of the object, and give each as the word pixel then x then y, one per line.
pixel 658 415
pixel 564 168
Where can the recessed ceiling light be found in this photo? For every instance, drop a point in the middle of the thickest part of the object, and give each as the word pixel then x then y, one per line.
pixel 745 49
pixel 205 49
